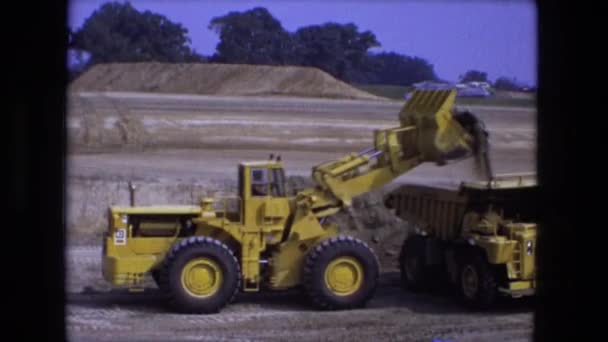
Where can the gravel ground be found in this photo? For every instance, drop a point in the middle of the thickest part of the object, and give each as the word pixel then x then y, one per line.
pixel 97 313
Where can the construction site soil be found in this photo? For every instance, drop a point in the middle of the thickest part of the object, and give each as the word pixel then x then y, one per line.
pixel 177 148
pixel 215 79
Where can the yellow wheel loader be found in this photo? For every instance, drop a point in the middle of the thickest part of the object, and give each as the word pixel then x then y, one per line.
pixel 263 239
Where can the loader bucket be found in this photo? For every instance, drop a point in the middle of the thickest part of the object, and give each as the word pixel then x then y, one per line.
pixel 440 136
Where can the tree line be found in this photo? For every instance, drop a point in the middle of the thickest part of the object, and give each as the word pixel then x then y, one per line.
pixel 117 32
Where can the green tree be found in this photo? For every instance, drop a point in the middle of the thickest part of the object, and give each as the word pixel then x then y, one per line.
pixel 396 69
pixel 505 83
pixel 474 76
pixel 252 37
pixel 338 49
pixel 256 37
pixel 117 32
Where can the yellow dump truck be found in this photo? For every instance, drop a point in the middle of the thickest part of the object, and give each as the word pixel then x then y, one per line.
pixel 263 239
pixel 480 237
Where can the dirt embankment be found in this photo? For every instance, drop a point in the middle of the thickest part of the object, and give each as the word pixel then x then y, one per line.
pixel 216 79
pixel 124 120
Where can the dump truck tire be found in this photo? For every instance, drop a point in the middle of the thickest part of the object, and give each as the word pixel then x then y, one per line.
pixel 477 282
pixel 412 264
pixel 340 273
pixel 202 275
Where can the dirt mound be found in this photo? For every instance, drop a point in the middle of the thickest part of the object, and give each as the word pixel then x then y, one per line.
pixel 216 79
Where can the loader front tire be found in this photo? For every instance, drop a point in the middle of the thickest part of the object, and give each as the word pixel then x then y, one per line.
pixel 340 273
pixel 202 275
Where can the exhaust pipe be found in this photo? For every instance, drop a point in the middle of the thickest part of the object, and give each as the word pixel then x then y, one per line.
pixel 132 188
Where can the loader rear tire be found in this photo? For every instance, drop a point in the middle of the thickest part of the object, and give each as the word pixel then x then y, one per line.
pixel 340 273
pixel 202 275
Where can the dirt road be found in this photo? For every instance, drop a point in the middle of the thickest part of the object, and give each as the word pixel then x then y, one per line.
pixel 100 314
pixel 191 136
pixel 99 121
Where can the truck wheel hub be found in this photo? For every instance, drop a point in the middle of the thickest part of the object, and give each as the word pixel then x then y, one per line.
pixel 201 277
pixel 344 276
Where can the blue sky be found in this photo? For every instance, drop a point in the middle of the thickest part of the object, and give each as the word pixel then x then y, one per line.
pixel 498 37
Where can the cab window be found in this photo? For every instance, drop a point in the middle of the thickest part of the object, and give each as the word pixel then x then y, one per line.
pixel 277 183
pixel 259 182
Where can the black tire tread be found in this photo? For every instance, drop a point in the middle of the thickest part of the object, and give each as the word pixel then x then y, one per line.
pixel 414 246
pixel 183 245
pixel 488 289
pixel 311 287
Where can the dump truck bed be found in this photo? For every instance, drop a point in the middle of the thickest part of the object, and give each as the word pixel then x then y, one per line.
pixel 439 211
pixel 504 181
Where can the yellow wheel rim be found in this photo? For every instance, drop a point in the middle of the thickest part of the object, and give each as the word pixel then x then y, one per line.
pixel 201 277
pixel 344 276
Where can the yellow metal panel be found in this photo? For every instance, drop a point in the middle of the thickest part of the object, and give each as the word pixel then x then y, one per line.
pixel 127 270
pixel 511 271
pixel 250 261
pixel 348 164
pixel 219 231
pixel 499 250
pixel 306 227
pixel 121 266
pixel 521 285
pixel 276 207
pixel 149 245
pixel 526 234
pixel 285 272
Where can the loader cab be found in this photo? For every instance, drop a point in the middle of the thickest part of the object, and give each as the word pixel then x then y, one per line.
pixel 261 179
pixel 262 187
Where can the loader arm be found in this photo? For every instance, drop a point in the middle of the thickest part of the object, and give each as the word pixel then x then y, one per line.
pixel 428 132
